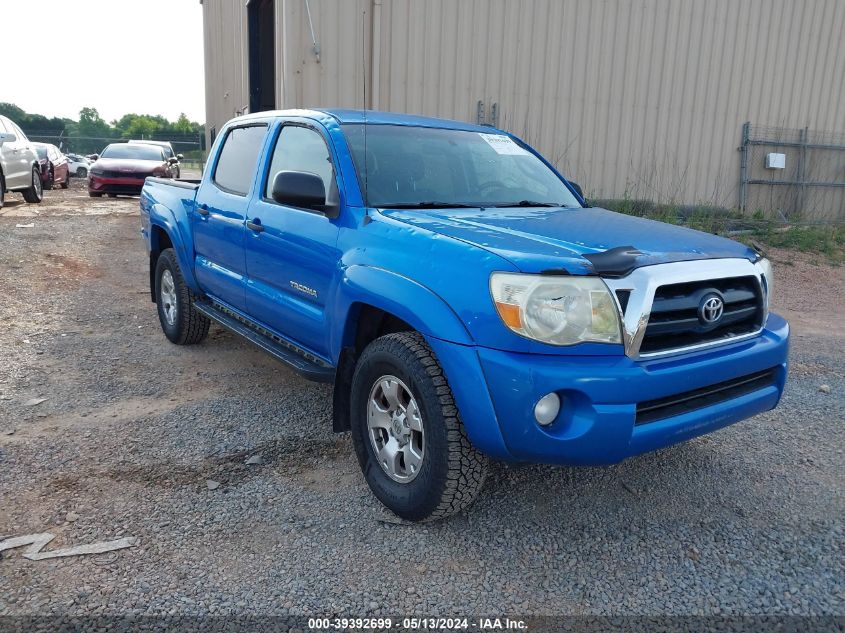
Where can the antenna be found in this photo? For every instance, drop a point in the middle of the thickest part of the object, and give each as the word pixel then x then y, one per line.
pixel 364 77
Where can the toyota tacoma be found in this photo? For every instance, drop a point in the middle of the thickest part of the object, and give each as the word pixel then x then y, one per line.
pixel 463 298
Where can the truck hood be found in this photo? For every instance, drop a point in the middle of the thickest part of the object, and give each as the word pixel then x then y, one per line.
pixel 537 239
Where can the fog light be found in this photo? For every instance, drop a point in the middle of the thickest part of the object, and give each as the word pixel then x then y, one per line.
pixel 547 408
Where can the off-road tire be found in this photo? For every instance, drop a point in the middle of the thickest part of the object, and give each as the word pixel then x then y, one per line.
pixel 35 193
pixel 453 471
pixel 191 326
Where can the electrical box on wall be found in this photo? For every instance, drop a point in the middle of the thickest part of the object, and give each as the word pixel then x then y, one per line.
pixel 775 161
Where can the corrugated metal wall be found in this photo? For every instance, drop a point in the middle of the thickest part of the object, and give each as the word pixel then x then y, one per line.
pixel 637 97
pixel 226 62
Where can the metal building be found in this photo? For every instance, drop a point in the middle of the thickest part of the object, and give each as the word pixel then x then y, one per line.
pixel 638 98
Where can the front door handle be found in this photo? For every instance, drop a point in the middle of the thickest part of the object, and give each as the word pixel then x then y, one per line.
pixel 202 209
pixel 255 225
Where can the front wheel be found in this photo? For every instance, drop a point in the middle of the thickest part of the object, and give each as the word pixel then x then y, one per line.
pixel 35 193
pixel 408 435
pixel 181 322
pixel 81 172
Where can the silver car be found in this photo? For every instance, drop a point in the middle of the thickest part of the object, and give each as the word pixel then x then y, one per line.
pixel 19 168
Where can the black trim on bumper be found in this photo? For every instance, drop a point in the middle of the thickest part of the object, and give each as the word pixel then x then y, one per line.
pixel 670 406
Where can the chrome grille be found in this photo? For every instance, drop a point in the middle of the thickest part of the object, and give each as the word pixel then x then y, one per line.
pixel 676 318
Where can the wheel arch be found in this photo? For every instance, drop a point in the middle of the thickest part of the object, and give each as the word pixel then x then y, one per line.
pixel 373 302
pixel 164 234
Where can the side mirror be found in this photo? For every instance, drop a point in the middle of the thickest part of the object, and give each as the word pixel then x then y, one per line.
pixel 7 137
pixel 180 157
pixel 172 160
pixel 95 157
pixel 300 189
pixel 577 189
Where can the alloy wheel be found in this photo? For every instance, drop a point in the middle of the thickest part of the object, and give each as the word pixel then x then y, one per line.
pixel 395 428
pixel 168 297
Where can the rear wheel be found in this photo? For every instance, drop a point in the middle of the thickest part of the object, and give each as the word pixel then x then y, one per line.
pixel 181 322
pixel 35 193
pixel 66 181
pixel 408 435
pixel 81 172
pixel 95 194
pixel 2 190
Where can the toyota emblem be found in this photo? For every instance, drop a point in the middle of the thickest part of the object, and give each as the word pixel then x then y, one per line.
pixel 711 309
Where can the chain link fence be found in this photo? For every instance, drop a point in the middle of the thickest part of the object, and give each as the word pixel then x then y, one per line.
pixel 191 145
pixel 804 180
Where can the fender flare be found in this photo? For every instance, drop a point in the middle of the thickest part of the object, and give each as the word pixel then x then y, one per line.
pixel 417 305
pixel 165 219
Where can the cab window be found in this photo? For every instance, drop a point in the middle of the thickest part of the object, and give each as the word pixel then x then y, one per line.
pixel 303 149
pixel 238 159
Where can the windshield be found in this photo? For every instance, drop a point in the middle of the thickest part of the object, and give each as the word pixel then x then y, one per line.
pixel 410 166
pixel 137 152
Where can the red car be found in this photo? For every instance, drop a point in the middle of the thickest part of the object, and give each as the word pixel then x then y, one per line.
pixel 121 169
pixel 54 167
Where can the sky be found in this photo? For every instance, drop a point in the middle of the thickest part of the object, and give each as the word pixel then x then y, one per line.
pixel 119 56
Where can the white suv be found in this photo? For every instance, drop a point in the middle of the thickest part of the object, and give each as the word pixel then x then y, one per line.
pixel 19 168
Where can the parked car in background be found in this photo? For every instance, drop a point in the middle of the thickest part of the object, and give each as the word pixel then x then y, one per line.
pixel 78 165
pixel 168 153
pixel 122 168
pixel 19 168
pixel 54 167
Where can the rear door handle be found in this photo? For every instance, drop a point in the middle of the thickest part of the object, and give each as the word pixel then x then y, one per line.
pixel 255 225
pixel 202 209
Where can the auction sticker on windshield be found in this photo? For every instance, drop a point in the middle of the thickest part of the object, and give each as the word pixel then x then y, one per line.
pixel 503 144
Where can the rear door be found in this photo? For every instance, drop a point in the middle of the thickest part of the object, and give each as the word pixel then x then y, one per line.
pixel 219 213
pixel 292 257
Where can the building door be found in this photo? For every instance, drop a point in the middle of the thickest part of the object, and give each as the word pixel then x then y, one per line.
pixel 262 55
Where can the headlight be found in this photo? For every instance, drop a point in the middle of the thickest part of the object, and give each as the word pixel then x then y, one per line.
pixel 556 310
pixel 765 268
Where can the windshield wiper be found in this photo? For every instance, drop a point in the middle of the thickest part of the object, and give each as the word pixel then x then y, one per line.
pixel 526 203
pixel 428 204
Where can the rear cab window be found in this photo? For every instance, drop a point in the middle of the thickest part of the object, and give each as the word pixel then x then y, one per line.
pixel 238 158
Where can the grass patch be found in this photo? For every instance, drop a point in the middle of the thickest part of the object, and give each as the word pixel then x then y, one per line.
pixel 827 240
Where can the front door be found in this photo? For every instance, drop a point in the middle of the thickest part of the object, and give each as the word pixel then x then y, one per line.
pixel 219 214
pixel 291 253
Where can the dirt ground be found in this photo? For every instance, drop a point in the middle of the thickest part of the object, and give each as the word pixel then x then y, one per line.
pixel 107 430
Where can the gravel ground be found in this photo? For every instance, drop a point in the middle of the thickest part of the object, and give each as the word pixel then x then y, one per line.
pixel 135 434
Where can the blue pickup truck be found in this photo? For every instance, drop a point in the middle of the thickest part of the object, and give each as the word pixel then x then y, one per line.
pixel 462 296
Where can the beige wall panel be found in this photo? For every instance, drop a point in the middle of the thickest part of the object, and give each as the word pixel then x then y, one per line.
pixel 644 98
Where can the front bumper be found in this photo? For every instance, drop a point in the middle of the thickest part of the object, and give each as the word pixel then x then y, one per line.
pixel 599 395
pixel 128 186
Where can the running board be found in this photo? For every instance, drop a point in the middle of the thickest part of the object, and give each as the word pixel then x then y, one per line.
pixel 305 364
